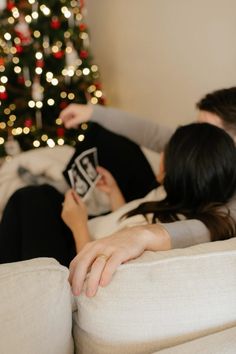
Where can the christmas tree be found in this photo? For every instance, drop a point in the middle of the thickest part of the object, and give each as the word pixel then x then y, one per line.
pixel 45 64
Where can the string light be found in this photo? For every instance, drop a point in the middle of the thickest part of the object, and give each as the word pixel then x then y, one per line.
pixel 81 137
pixel 60 141
pixel 3 125
pixel 37 34
pixel 35 15
pixel 38 55
pixel 36 143
pixel 26 130
pixel 11 20
pixel 44 137
pixel 94 100
pixel 28 19
pixel 31 104
pixel 38 70
pixel 51 143
pixel 7 36
pixel 7 111
pixel 63 94
pixel 71 96
pixel 58 121
pixel 4 79
pixel 50 102
pixel 19 40
pixel 54 82
pixel 98 93
pixel 45 10
pixel 15 12
pixel 94 68
pixel 12 117
pixel 39 104
pixel 86 71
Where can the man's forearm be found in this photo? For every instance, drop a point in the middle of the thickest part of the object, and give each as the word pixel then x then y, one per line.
pixel 142 131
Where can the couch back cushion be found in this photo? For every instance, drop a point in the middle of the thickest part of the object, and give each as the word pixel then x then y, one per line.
pixel 159 300
pixel 35 308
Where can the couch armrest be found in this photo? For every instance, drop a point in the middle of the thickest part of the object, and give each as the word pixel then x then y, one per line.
pixel 35 308
pixel 160 300
pixel 223 342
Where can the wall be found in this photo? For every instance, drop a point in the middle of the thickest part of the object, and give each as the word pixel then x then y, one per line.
pixel 158 57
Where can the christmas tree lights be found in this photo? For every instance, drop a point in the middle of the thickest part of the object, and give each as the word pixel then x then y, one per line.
pixel 45 64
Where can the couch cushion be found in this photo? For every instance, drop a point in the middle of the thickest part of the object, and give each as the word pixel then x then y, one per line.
pixel 160 300
pixel 35 308
pixel 223 342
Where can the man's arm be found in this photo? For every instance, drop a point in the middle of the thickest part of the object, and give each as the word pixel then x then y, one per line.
pixel 142 131
pixel 187 233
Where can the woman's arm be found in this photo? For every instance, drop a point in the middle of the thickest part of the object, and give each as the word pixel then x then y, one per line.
pixel 74 214
pixel 142 131
pixel 108 185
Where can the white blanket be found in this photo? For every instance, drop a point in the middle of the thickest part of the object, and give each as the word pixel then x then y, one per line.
pixel 49 164
pixel 45 162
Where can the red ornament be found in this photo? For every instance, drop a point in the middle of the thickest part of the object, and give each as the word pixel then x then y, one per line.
pixel 1 61
pixel 40 63
pixel 98 85
pixel 19 49
pixel 55 23
pixel 21 80
pixel 28 123
pixel 102 101
pixel 60 132
pixel 81 4
pixel 83 54
pixel 10 5
pixel 63 104
pixel 82 27
pixel 3 95
pixel 59 54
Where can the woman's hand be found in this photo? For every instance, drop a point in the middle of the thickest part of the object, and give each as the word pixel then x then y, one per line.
pixel 74 214
pixel 74 114
pixel 108 185
pixel 98 260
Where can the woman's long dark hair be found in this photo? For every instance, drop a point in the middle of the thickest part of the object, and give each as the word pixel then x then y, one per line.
pixel 200 177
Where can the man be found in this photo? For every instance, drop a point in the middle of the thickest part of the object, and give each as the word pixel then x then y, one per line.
pixel 217 108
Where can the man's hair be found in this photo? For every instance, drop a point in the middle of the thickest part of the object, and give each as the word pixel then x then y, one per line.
pixel 200 176
pixel 223 104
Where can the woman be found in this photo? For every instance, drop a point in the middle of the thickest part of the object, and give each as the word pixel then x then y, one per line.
pixel 198 176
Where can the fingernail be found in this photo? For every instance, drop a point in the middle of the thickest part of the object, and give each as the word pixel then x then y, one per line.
pixel 90 292
pixel 76 291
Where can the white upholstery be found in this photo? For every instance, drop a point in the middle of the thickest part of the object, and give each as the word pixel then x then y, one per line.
pixel 35 308
pixel 160 300
pixel 223 342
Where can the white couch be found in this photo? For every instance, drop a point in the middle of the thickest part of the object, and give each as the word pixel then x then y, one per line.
pixel 180 301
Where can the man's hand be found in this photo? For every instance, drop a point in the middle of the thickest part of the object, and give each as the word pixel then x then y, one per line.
pixel 75 114
pixel 96 263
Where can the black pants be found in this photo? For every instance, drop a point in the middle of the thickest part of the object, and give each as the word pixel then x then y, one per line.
pixel 32 227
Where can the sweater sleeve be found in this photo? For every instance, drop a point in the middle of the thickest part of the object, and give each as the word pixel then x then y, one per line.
pixel 187 233
pixel 142 131
pixel 190 232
